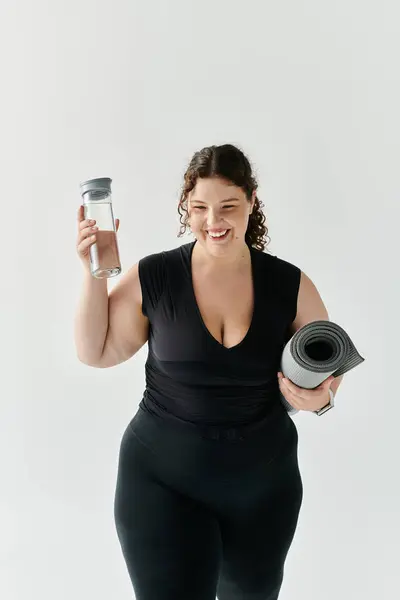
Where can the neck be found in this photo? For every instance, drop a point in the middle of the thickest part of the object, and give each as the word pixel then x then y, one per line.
pixel 236 258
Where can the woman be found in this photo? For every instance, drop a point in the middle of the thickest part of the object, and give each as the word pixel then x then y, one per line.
pixel 208 490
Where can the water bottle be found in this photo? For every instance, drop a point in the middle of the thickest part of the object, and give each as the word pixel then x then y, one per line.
pixel 97 203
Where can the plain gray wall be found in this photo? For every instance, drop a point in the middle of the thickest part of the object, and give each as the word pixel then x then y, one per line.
pixel 311 91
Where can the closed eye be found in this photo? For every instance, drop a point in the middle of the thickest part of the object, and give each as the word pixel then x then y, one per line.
pixel 227 206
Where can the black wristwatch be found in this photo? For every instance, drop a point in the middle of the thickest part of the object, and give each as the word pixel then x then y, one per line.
pixel 328 406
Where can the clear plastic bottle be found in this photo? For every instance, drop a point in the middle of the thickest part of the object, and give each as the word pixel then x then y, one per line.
pixel 97 202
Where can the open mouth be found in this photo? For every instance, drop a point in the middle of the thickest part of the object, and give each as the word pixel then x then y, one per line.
pixel 218 236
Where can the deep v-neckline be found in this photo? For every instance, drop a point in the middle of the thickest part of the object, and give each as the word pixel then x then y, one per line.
pixel 198 312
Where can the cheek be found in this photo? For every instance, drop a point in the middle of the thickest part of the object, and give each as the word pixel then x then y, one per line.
pixel 239 220
pixel 196 221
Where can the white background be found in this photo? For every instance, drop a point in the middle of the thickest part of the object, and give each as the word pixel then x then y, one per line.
pixel 310 90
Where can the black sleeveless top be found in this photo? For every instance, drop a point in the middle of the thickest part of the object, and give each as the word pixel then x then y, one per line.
pixel 190 376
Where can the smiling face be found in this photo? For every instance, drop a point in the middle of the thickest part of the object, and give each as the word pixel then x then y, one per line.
pixel 219 214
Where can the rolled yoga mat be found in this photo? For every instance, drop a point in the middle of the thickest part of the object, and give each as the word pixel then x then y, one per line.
pixel 316 351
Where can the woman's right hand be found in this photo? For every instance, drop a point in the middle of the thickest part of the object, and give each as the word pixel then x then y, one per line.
pixel 87 230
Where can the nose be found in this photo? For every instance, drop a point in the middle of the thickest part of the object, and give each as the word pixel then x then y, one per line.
pixel 212 217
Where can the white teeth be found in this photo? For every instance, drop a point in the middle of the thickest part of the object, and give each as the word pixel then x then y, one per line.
pixel 217 234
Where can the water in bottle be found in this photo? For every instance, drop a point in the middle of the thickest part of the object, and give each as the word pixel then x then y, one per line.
pixel 97 202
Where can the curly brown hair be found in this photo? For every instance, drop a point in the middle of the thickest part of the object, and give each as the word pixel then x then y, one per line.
pixel 230 163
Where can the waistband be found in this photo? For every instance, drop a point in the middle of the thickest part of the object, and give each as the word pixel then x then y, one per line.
pixel 275 425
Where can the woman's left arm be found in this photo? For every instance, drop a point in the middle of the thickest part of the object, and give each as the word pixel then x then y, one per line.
pixel 310 307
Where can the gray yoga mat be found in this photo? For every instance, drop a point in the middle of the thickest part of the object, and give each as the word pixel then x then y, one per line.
pixel 316 351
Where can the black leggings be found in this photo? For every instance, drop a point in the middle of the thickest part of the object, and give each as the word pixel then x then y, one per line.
pixel 206 514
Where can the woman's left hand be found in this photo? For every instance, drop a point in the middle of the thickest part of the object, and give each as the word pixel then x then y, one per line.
pixel 302 398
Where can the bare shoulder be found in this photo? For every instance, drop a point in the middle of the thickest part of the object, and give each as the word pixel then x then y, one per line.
pixel 310 306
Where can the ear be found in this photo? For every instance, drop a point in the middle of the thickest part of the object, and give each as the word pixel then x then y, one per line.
pixel 253 199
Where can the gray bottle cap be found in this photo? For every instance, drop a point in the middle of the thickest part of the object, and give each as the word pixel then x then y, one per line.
pixel 101 184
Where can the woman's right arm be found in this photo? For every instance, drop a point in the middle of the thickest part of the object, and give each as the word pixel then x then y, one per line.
pixel 109 328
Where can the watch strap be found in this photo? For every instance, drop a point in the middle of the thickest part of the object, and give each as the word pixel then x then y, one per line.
pixel 328 406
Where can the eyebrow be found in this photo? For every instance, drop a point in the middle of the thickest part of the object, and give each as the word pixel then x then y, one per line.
pixel 225 200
